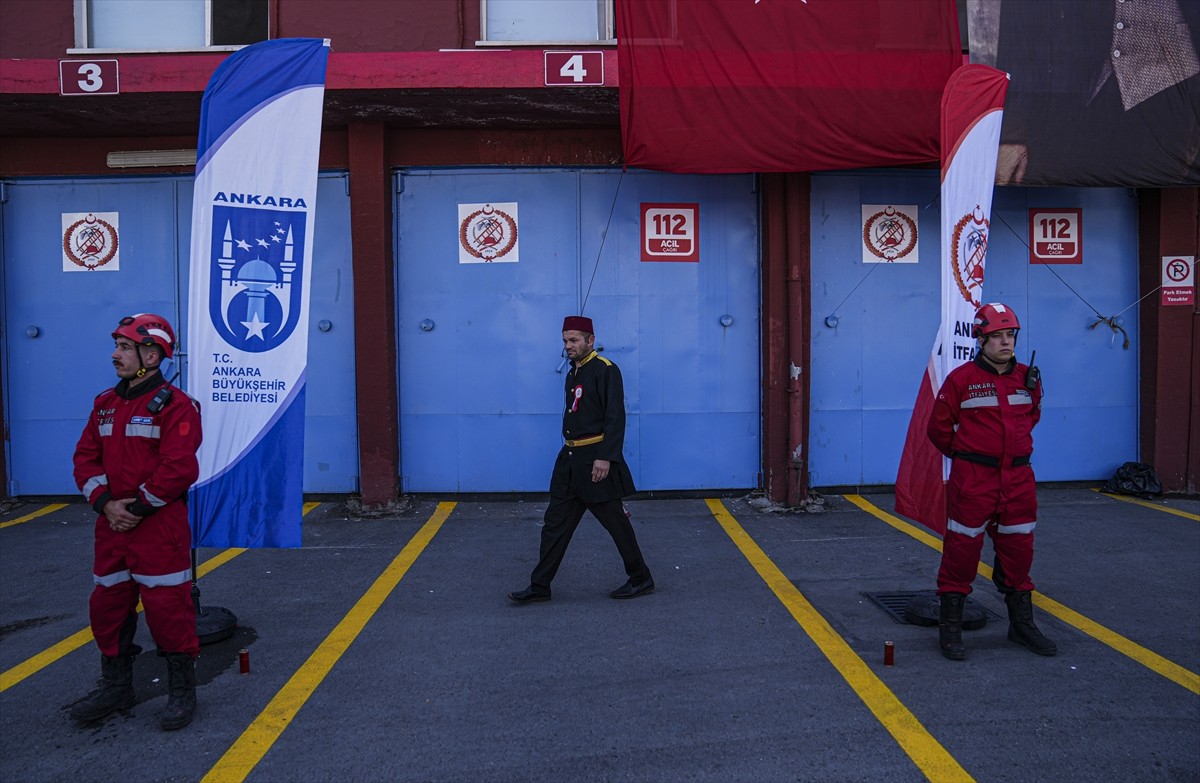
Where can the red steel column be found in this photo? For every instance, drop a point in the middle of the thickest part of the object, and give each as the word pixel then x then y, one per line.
pixel 1169 224
pixel 774 337
pixel 798 304
pixel 374 315
pixel 786 353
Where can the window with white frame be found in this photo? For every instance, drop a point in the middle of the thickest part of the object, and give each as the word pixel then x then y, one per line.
pixel 547 21
pixel 139 25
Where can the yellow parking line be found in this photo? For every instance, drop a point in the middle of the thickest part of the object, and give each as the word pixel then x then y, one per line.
pixel 80 638
pixel 1151 660
pixel 41 512
pixel 926 752
pixel 44 658
pixel 262 733
pixel 1148 504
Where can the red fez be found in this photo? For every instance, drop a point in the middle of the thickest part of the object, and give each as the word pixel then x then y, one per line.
pixel 578 323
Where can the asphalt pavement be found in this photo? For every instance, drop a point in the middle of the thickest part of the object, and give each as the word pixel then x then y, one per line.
pixel 385 649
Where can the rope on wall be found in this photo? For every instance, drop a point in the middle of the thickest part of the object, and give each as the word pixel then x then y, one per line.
pixel 1111 320
pixel 603 237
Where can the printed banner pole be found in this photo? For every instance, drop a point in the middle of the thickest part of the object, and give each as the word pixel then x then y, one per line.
pixel 972 111
pixel 251 260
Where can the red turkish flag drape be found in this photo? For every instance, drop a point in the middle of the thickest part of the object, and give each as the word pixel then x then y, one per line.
pixel 721 86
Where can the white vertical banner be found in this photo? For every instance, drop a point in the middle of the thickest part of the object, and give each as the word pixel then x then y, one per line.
pixel 972 111
pixel 251 261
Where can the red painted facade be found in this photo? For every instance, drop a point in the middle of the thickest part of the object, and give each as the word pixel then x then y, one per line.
pixel 1170 336
pixel 395 99
pixel 33 29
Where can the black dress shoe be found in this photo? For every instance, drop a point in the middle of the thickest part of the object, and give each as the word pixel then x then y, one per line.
pixel 631 590
pixel 529 595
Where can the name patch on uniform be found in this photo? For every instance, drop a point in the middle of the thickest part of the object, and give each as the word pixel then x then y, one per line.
pixel 141 420
pixel 981 390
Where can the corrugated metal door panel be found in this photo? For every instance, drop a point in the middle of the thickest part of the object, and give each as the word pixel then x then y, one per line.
pixel 330 413
pixel 1089 420
pixel 481 386
pixel 50 379
pixel 331 410
pixel 866 368
pixel 690 383
pixel 52 376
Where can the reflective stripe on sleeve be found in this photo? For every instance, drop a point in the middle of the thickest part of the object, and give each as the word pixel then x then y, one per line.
pixel 163 580
pixel 153 500
pixel 93 484
pixel 980 402
pixel 108 580
pixel 141 430
pixel 1026 527
pixel 959 527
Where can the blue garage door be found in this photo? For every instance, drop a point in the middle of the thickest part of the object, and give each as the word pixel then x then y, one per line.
pixel 867 367
pixel 57 324
pixel 481 371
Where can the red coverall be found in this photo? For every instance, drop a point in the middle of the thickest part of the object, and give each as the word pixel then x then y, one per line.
pixel 128 452
pixel 983 420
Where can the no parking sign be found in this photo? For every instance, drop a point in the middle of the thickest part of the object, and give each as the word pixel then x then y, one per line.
pixel 1179 280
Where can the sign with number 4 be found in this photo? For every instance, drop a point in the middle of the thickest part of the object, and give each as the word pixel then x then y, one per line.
pixel 574 69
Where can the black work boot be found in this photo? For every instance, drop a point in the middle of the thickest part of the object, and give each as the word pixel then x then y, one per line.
pixel 950 616
pixel 115 692
pixel 1020 624
pixel 181 687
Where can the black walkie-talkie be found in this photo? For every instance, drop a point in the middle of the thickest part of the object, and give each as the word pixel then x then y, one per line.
pixel 162 396
pixel 1033 376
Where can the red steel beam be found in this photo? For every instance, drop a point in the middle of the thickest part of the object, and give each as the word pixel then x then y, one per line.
pixel 154 73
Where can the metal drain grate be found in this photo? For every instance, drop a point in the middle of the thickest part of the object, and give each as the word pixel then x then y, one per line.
pixel 919 607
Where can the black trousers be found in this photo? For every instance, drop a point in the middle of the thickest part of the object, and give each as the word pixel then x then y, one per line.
pixel 562 517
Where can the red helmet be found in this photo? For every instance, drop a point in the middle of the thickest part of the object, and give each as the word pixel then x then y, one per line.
pixel 148 329
pixel 992 318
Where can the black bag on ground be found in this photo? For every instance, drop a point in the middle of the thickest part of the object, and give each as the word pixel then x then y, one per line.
pixel 1135 478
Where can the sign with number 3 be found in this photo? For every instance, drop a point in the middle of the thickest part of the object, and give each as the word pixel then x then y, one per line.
pixel 88 77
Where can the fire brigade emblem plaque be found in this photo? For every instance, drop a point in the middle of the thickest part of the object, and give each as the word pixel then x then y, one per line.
pixel 255 275
pixel 968 251
pixel 90 242
pixel 889 234
pixel 487 233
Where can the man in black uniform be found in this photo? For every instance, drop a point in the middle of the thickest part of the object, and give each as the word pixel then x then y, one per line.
pixel 590 473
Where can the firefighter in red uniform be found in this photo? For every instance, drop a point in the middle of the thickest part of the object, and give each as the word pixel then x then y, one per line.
pixel 134 463
pixel 983 420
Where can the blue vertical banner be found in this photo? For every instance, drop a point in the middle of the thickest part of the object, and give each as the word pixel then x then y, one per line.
pixel 251 262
